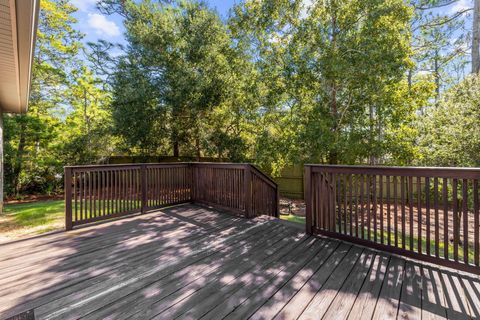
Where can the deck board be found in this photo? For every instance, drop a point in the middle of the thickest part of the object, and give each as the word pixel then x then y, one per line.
pixel 343 302
pixel 411 297
pixel 276 302
pixel 323 298
pixel 194 262
pixel 213 269
pixel 433 296
pixel 365 301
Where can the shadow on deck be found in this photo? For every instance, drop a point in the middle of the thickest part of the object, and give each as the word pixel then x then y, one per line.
pixel 192 262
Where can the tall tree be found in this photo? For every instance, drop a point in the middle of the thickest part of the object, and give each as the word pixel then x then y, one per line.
pixel 451 130
pixel 29 137
pixel 476 38
pixel 189 71
pixel 332 72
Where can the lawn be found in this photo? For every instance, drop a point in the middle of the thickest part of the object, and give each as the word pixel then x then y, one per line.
pixel 29 219
pixel 293 218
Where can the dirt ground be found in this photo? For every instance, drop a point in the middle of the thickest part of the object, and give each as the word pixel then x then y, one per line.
pixel 297 207
pixel 292 206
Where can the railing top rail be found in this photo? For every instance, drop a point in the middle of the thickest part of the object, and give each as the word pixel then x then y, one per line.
pixel 229 164
pixel 93 166
pixel 264 176
pixel 436 172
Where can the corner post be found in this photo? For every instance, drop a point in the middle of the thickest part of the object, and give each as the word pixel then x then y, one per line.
pixel 248 190
pixel 68 197
pixel 308 198
pixel 193 182
pixel 277 203
pixel 143 174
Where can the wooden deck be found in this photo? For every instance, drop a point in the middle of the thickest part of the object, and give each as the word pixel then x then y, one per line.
pixel 189 262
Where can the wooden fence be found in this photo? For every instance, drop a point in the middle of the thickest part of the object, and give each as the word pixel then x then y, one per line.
pixel 430 214
pixel 101 192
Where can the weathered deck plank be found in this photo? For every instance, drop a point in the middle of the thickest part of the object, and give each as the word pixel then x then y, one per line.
pixel 228 282
pixel 433 296
pixel 389 299
pixel 276 302
pixel 300 301
pixel 364 305
pixel 324 297
pixel 132 279
pixel 343 302
pixel 411 297
pixel 243 303
pixel 197 273
pixel 193 262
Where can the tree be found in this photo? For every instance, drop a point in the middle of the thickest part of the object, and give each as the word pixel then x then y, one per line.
pixel 440 43
pixel 476 37
pixel 88 136
pixel 186 77
pixel 332 74
pixel 451 129
pixel 29 160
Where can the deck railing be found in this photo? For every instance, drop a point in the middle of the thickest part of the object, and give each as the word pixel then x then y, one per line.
pixel 101 192
pixel 430 214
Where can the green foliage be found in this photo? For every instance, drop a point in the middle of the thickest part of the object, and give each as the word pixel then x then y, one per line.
pixel 331 79
pixel 179 82
pixel 67 122
pixel 450 135
pixel 278 83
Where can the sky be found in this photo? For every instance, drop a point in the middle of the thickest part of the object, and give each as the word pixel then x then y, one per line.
pixel 97 26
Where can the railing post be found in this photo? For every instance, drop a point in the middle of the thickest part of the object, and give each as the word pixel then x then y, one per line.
pixel 277 203
pixel 68 198
pixel 248 190
pixel 193 182
pixel 143 174
pixel 308 198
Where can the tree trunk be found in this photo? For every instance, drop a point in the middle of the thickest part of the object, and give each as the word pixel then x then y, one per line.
pixel 176 149
pixel 197 147
pixel 476 37
pixel 372 159
pixel 86 118
pixel 19 157
pixel 333 153
pixel 436 74
pixel 174 141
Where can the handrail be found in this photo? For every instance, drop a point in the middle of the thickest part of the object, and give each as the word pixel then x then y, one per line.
pixel 431 214
pixel 432 172
pixel 100 192
pixel 264 176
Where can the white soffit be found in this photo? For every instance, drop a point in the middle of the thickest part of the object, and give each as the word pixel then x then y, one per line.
pixel 18 23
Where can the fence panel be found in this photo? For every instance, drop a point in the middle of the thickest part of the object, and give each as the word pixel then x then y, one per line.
pixel 102 192
pixel 426 213
pixel 265 194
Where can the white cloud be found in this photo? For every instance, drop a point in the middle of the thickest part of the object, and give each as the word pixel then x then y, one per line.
pixel 424 72
pixel 84 5
pixel 306 4
pixel 102 25
pixel 461 5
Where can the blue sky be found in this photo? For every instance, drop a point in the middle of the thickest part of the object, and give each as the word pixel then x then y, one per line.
pixel 97 26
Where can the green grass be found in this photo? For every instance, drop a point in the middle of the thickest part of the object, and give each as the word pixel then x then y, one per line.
pixel 441 245
pixel 24 219
pixel 293 218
